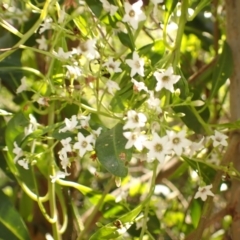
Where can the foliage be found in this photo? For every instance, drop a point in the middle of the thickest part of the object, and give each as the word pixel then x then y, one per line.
pixel 99 99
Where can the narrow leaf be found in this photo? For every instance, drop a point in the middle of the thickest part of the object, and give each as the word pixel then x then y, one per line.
pixel 11 219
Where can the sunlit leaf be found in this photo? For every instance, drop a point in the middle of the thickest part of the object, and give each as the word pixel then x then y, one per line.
pixel 111 152
pixel 116 228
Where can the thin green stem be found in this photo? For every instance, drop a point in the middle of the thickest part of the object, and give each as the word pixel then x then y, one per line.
pixel 31 31
pixel 180 32
pixel 95 210
pixel 147 200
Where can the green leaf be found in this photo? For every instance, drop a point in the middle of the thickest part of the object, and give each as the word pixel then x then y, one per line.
pixel 195 212
pixel 95 6
pixel 222 71
pixel 111 152
pixel 111 231
pixel 170 6
pixel 125 40
pixel 11 219
pixel 153 51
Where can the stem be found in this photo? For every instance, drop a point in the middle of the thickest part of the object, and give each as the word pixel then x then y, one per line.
pixel 51 186
pixel 95 210
pixel 30 32
pixel 208 206
pixel 147 200
pixel 180 32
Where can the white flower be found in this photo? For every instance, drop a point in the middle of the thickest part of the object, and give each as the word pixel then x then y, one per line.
pixel 136 64
pixel 47 24
pixel 158 148
pixel 133 13
pixel 73 71
pixel 42 43
pixel 135 120
pixel 83 144
pixel 61 54
pixel 112 86
pixel 24 86
pixel 154 103
pixel 66 144
pixel 139 224
pixel 219 139
pixel 139 86
pixel 214 159
pixel 196 146
pixel 23 163
pixel 33 125
pixel 17 151
pixel 62 15
pixel 109 7
pixel 135 139
pixel 64 159
pixel 87 49
pixel 58 175
pixel 95 134
pixel 166 79
pixel 178 142
pixel 71 124
pixel 84 121
pixel 43 101
pixel 203 192
pixel 112 67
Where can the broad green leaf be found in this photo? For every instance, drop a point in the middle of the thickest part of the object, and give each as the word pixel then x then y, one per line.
pixel 111 152
pixel 95 6
pixel 223 69
pixel 11 219
pixel 111 231
pixel 81 24
pixel 153 51
pixel 195 212
pixel 207 173
pixel 190 118
pixel 125 40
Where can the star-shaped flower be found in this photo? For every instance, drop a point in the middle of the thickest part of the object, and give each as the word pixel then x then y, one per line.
pixel 71 124
pixel 47 24
pixel 154 103
pixel 58 175
pixel 136 64
pixel 112 66
pixel 73 71
pixel 178 142
pixel 42 43
pixel 219 139
pixel 17 151
pixel 61 54
pixel 66 144
pixel 24 85
pixel 87 49
pixel 135 139
pixel 23 163
pixel 139 86
pixel 203 192
pixel 135 120
pixel 83 144
pixel 109 7
pixel 112 86
pixel 166 79
pixel 133 13
pixel 158 148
